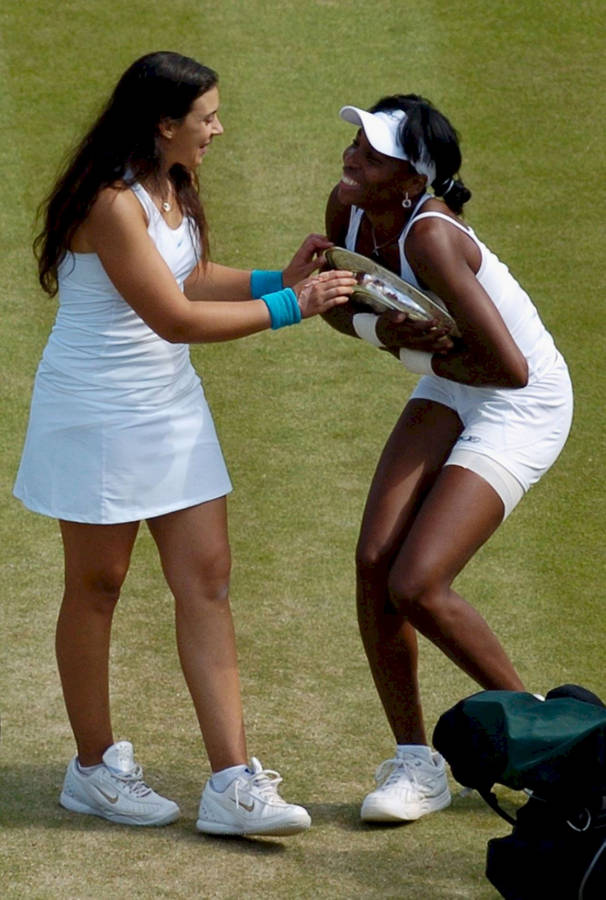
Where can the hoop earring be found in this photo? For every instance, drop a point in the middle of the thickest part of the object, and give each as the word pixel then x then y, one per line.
pixel 406 202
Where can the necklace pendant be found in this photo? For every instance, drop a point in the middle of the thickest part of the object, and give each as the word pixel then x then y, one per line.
pixel 377 248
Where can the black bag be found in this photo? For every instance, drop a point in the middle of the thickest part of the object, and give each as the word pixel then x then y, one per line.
pixel 556 750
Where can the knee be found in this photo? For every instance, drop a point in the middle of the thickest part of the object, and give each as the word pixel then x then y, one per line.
pixel 372 564
pixel 216 586
pixel 205 579
pixel 415 593
pixel 101 586
pixel 214 571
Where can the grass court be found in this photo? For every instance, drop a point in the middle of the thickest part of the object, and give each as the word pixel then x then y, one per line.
pixel 302 415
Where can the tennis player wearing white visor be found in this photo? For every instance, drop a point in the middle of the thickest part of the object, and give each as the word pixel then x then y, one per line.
pixel 488 417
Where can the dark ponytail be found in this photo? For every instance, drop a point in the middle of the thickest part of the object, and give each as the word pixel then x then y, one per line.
pixel 453 192
pixel 427 135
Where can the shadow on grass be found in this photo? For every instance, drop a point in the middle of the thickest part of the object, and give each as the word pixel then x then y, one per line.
pixel 441 858
pixel 30 800
pixel 347 815
pixel 30 797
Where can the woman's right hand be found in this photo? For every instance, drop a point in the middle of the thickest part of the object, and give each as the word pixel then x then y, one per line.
pixel 397 329
pixel 318 294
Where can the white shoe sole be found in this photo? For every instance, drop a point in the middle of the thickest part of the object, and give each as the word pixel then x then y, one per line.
pixel 73 805
pixel 282 829
pixel 283 826
pixel 374 809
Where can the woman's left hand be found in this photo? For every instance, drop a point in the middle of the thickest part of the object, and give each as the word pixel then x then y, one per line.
pixel 322 292
pixel 309 256
pixel 397 329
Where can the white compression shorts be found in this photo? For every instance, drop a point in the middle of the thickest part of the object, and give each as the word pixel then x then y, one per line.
pixel 510 437
pixel 503 482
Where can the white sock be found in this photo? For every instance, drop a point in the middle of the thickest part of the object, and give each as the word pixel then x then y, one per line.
pixel 420 750
pixel 87 770
pixel 222 779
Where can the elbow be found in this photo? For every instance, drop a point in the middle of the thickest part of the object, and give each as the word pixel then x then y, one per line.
pixel 509 373
pixel 171 334
pixel 521 382
pixel 176 330
pixel 176 335
pixel 519 375
pixel 191 333
pixel 513 378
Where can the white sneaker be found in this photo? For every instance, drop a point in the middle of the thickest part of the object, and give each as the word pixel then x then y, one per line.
pixel 250 805
pixel 408 787
pixel 115 790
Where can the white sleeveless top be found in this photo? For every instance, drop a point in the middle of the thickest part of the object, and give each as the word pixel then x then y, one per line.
pixel 515 306
pixel 100 343
pixel 119 427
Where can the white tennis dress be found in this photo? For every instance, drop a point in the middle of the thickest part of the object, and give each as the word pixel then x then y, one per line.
pixel 119 426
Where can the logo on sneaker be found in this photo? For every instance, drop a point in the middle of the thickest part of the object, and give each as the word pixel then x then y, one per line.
pixel 109 799
pixel 247 806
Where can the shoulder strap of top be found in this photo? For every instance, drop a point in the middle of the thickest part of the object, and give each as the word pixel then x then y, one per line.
pixel 415 217
pixel 439 215
pixel 355 217
pixel 145 200
pixel 406 269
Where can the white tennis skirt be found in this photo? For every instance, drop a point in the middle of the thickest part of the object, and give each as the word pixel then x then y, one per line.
pixel 85 460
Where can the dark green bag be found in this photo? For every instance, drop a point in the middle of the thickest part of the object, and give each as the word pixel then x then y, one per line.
pixel 555 749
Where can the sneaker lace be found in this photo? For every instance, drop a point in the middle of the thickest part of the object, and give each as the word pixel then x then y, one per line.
pixel 390 771
pixel 133 781
pixel 264 783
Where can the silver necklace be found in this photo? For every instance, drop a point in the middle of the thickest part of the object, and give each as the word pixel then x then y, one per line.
pixel 167 205
pixel 377 247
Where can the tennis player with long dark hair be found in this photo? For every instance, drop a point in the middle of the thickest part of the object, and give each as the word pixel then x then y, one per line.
pixel 120 430
pixel 488 417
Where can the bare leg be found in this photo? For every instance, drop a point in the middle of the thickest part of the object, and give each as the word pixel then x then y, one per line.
pixel 458 516
pixel 413 455
pixel 96 562
pixel 194 549
pixel 394 575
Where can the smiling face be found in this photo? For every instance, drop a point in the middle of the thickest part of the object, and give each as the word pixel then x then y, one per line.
pixel 186 140
pixel 372 180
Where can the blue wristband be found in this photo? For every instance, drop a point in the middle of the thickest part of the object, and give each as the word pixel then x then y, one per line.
pixel 263 281
pixel 283 308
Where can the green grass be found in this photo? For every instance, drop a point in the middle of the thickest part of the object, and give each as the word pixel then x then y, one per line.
pixel 302 416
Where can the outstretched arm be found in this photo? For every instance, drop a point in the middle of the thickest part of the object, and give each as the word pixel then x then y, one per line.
pixel 212 281
pixel 116 229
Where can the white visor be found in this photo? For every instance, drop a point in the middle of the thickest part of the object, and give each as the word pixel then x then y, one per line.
pixel 381 130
